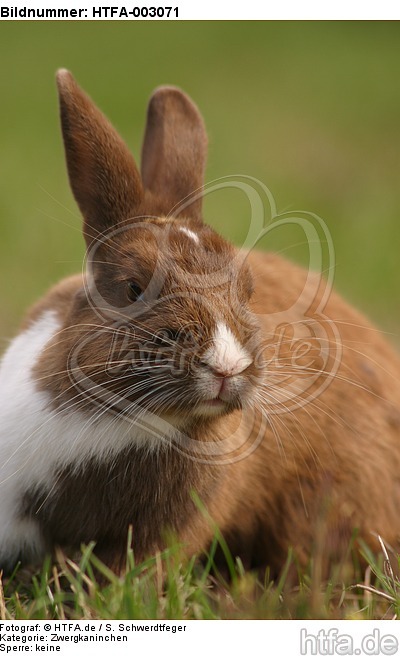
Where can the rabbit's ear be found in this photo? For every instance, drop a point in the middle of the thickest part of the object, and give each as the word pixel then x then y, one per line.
pixel 174 151
pixel 102 172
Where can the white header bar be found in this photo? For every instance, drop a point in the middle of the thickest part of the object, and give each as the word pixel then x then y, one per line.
pixel 134 10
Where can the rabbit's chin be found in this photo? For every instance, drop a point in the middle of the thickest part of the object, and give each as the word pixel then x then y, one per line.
pixel 207 409
pixel 212 408
pixel 236 396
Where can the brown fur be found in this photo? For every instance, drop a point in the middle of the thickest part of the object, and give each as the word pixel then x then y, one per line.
pixel 321 470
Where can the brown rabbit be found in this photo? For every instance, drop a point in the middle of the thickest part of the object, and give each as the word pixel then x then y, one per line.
pixel 182 384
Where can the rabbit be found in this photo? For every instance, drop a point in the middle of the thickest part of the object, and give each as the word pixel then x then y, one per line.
pixel 177 385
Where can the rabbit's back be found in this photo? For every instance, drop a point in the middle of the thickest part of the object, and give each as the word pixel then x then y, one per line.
pixel 328 465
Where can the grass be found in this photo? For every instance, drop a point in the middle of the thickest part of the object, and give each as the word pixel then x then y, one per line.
pixel 164 588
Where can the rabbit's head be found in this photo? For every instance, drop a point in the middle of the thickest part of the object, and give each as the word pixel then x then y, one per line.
pixel 163 323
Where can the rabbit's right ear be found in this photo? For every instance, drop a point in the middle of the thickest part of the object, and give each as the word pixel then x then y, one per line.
pixel 102 172
pixel 174 152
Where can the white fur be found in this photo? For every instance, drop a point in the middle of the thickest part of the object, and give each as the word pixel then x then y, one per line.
pixel 36 440
pixel 226 355
pixel 191 234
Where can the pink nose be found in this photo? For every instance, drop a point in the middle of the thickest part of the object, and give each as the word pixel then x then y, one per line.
pixel 227 370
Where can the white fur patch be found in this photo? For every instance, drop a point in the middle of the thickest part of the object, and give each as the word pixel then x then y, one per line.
pixel 226 355
pixel 191 234
pixel 36 440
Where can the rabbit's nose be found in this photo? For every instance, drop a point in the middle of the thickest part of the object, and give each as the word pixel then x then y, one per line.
pixel 226 356
pixel 222 371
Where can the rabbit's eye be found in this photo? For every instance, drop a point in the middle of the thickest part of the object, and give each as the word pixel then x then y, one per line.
pixel 166 338
pixel 133 290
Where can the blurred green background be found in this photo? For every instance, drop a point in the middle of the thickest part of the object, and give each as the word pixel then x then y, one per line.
pixel 312 109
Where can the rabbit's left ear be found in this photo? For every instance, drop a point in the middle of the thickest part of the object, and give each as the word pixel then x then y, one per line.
pixel 103 175
pixel 174 151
